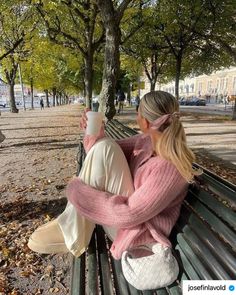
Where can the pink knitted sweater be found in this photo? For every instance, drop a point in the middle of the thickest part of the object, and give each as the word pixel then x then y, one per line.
pixel 150 213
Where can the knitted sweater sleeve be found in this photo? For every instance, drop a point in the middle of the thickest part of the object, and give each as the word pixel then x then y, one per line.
pixel 127 145
pixel 161 188
pixel 90 140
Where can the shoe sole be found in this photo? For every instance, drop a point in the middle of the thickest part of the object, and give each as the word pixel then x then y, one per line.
pixel 47 249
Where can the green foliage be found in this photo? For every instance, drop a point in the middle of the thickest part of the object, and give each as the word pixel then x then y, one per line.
pixel 201 33
pixel 52 66
pixel 17 22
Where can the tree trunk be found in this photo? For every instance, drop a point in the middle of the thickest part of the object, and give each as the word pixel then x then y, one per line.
pixel 32 93
pixel 129 94
pixel 110 70
pixel 177 75
pixel 60 99
pixel 68 101
pixel 152 75
pixel 10 77
pixel 54 96
pixel 234 111
pixel 111 61
pixel 152 85
pixel 88 79
pixel 13 107
pixel 57 101
pixel 154 71
pixel 47 98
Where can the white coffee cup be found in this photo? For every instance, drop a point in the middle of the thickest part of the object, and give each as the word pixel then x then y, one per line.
pixel 94 123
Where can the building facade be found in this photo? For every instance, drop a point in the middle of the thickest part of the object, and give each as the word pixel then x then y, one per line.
pixel 216 85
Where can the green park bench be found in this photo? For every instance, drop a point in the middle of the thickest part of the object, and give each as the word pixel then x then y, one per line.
pixel 203 239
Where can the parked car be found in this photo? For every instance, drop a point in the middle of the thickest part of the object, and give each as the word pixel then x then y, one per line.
pixel 196 101
pixel 182 101
pixel 201 102
pixel 3 104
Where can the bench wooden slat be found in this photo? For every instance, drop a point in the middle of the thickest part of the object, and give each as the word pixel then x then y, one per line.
pixel 188 268
pixel 78 276
pixel 196 262
pixel 134 291
pixel 115 135
pixel 214 176
pixel 116 132
pixel 91 264
pixel 127 129
pixel 216 246
pixel 161 292
pixel 104 265
pixel 216 206
pixel 220 189
pixel 217 225
pixel 150 292
pixel 120 282
pixel 175 290
pixel 210 262
pixel 220 250
pixel 123 130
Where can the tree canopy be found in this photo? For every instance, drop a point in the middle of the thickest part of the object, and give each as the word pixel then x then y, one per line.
pixel 67 45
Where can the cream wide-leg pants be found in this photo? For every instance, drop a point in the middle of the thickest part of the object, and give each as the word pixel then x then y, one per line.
pixel 105 167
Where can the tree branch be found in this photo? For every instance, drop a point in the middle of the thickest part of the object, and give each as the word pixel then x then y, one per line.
pixel 132 32
pixel 53 32
pixel 15 45
pixel 121 9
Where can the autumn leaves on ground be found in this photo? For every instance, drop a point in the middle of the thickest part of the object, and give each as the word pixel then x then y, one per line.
pixel 36 162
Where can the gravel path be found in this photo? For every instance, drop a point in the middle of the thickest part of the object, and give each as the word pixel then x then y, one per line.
pixel 37 159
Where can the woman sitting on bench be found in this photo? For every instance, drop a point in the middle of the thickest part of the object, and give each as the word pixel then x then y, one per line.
pixel 134 187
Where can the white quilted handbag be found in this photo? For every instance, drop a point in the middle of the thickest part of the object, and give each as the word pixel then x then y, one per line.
pixel 155 271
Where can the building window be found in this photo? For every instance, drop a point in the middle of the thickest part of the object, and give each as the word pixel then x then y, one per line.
pixel 187 89
pixel 199 88
pixel 217 86
pixel 234 86
pixel 209 86
pixel 192 87
pixel 221 84
pixel 226 85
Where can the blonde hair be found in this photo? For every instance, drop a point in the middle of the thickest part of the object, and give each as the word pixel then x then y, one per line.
pixel 172 144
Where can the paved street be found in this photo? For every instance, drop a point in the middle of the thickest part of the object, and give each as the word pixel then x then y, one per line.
pixel 217 109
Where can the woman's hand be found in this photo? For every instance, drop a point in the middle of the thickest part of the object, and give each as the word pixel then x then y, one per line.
pixel 90 140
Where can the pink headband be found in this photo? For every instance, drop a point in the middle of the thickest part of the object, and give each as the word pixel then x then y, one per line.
pixel 164 119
